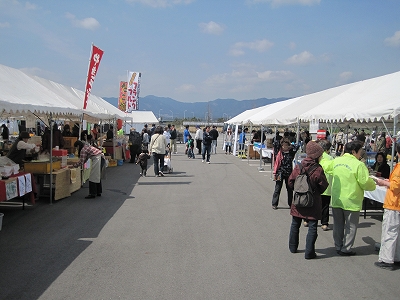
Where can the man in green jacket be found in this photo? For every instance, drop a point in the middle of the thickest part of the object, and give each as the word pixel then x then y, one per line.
pixel 326 162
pixel 350 180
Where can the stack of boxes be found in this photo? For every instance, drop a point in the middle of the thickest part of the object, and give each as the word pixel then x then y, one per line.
pixel 69 144
pixel 61 154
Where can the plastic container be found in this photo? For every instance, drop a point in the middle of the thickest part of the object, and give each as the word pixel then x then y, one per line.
pixel 120 162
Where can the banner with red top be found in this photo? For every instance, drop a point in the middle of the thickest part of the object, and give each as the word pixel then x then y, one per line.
pixel 94 63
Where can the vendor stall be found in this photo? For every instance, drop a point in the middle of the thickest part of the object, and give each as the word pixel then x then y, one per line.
pixel 18 185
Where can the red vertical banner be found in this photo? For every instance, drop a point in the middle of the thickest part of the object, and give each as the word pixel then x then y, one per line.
pixel 94 63
pixel 122 95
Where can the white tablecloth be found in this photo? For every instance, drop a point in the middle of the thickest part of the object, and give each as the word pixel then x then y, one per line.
pixel 377 195
pixel 265 152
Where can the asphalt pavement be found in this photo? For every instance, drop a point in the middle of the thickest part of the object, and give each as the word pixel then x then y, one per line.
pixel 204 231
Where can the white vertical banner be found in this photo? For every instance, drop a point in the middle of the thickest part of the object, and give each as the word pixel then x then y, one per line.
pixel 132 97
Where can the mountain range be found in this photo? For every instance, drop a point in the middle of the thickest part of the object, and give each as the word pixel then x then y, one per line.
pixel 218 109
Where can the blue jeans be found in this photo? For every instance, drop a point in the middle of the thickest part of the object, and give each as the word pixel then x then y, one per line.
pixel 310 239
pixel 206 148
pixel 214 146
pixel 190 152
pixel 158 162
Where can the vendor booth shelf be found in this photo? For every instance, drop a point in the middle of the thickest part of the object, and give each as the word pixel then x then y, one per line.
pixel 41 167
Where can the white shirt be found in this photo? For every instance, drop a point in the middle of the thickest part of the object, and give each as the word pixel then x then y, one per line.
pixel 167 136
pixel 23 145
pixel 199 135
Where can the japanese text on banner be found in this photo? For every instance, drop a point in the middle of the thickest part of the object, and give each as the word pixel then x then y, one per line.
pixel 132 100
pixel 122 95
pixel 94 63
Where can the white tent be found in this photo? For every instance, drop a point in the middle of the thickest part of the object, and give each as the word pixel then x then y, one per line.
pixel 244 116
pixel 96 106
pixel 262 117
pixel 365 101
pixel 20 94
pixel 143 117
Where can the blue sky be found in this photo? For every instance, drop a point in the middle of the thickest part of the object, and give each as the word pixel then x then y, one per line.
pixel 201 50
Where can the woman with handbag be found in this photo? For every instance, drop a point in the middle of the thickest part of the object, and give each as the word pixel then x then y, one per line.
pixel 158 144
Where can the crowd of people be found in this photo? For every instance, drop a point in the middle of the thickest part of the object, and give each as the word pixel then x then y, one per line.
pixel 339 183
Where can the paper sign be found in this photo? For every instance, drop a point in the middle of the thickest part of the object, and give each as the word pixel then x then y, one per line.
pixel 28 183
pixel 21 185
pixel 11 190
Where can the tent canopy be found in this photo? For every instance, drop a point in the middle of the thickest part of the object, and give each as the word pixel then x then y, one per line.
pixel 369 100
pixel 22 94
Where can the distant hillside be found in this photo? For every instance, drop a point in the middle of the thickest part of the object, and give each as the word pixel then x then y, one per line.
pixel 220 108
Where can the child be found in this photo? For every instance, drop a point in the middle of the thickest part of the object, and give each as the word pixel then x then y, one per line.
pixel 190 147
pixel 142 161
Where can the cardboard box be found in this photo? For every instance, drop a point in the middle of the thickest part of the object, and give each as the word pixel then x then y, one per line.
pixel 72 161
pixel 69 144
pixel 37 140
pixel 61 152
pixel 41 167
pixel 112 163
pixel 69 141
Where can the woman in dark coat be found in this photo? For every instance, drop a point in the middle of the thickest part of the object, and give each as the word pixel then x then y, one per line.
pixel 319 183
pixel 381 166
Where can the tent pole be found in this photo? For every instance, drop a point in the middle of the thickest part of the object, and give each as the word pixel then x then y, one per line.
pixel 393 142
pixel 248 148
pixel 236 139
pixel 297 140
pixel 51 159
pixel 260 168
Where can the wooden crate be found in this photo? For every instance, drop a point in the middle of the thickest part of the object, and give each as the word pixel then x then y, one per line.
pixel 69 143
pixel 252 153
pixel 112 163
pixel 41 167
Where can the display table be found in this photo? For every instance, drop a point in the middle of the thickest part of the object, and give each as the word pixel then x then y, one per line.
pixel 118 151
pixel 253 153
pixel 65 182
pixel 378 195
pixel 268 153
pixel 18 185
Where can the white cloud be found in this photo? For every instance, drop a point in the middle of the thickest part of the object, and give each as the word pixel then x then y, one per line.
pixel 303 58
pixel 345 77
pixel 87 23
pixel 394 40
pixel 286 2
pixel 212 28
pixel 161 3
pixel 4 25
pixel 275 75
pixel 259 46
pixel 246 79
pixel 30 6
pixel 185 88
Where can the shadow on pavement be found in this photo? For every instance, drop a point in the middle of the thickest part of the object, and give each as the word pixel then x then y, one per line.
pixel 45 239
